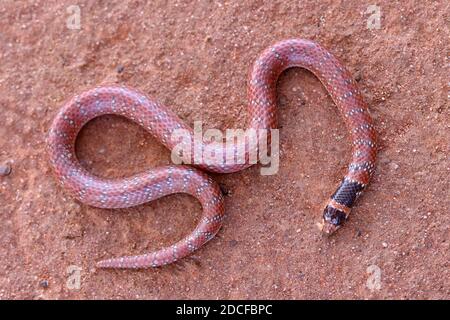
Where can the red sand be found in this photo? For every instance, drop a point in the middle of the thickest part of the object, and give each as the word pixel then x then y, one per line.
pixel 194 58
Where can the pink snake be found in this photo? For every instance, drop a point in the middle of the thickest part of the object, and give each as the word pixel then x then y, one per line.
pixel 161 122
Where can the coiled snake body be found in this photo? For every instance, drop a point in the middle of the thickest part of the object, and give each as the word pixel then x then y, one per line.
pixel 161 123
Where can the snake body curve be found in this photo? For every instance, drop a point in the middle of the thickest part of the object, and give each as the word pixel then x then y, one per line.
pixel 161 122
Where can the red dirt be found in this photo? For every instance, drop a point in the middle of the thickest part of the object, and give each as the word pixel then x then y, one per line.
pixel 194 58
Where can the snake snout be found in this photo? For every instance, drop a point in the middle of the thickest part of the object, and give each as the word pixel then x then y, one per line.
pixel 332 219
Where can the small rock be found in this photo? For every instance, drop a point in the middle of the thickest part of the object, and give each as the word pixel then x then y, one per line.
pixel 384 244
pixel 358 76
pixel 120 68
pixel 43 284
pixel 5 169
pixel 282 100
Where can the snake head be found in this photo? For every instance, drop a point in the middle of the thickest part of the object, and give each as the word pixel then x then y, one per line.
pixel 332 220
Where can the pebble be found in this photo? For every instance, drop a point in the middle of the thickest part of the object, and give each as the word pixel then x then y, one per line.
pixel 5 169
pixel 393 166
pixel 225 190
pixel 384 244
pixel 282 100
pixel 233 243
pixel 43 284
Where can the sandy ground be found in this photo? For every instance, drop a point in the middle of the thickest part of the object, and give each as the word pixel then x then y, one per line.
pixel 194 58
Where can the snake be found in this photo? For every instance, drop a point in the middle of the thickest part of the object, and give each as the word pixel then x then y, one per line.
pixel 162 123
